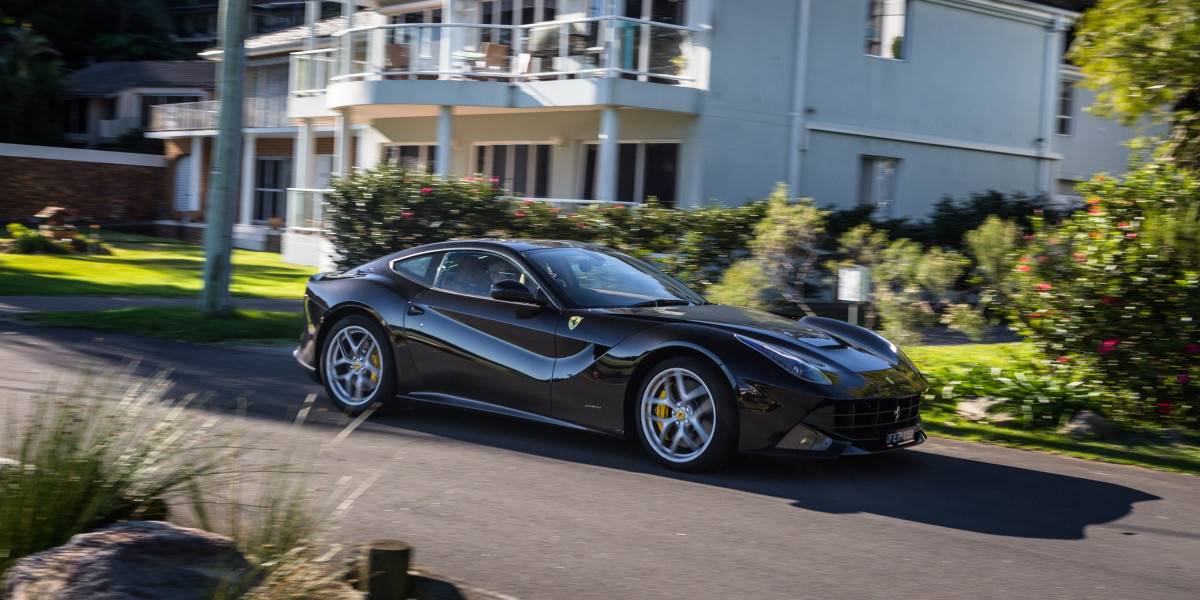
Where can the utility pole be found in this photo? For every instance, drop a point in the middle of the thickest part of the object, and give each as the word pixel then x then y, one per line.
pixel 223 177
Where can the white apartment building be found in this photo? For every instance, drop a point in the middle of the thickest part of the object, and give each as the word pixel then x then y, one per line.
pixel 895 103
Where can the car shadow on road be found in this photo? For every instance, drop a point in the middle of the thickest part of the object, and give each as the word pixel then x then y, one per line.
pixel 913 485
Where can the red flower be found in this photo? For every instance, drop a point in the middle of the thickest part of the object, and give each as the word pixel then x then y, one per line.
pixel 554 210
pixel 1182 378
pixel 1023 268
pixel 1107 346
pixel 1043 287
pixel 1095 212
pixel 529 202
pixel 1028 237
pixel 520 215
pixel 1131 235
pixel 406 215
pixel 1044 258
pixel 1100 178
pixel 620 206
pixel 495 179
pixel 1035 315
pixel 1192 348
pixel 426 190
pixel 580 224
pixel 1063 359
pixel 1122 225
pixel 1093 200
pixel 1107 300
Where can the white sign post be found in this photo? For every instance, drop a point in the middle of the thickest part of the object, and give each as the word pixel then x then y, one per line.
pixel 854 286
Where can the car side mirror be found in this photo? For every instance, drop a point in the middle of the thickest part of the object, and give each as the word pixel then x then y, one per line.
pixel 511 290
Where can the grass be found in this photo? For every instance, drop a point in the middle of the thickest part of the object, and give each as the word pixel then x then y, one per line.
pixel 181 323
pixel 145 266
pixel 1142 446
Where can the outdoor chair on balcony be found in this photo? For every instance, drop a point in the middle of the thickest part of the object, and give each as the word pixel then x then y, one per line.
pixel 397 60
pixel 495 59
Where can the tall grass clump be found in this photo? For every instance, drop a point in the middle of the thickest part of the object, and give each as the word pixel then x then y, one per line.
pixel 104 449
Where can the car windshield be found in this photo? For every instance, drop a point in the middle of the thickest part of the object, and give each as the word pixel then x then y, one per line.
pixel 590 278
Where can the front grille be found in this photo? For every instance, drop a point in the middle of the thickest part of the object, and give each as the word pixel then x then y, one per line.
pixel 867 420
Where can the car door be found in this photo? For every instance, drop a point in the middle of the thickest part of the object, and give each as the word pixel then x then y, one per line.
pixel 467 345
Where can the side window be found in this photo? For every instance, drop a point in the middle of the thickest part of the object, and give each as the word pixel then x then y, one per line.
pixel 474 271
pixel 420 268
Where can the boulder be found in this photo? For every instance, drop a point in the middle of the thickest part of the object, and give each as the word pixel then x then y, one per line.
pixel 979 410
pixel 126 561
pixel 1087 424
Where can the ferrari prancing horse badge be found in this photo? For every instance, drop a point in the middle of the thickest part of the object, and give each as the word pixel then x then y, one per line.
pixel 574 322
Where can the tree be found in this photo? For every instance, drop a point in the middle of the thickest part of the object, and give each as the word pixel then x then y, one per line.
pixel 30 86
pixel 1141 56
pixel 100 30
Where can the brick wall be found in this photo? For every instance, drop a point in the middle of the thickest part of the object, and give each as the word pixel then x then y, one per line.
pixel 94 191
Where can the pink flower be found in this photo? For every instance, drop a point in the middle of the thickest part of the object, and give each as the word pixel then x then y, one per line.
pixel 495 179
pixel 1095 212
pixel 1043 287
pixel 554 210
pixel 520 215
pixel 1063 359
pixel 1035 315
pixel 529 202
pixel 1182 378
pixel 580 224
pixel 1107 300
pixel 1131 235
pixel 426 190
pixel 1164 407
pixel 1192 348
pixel 1107 346
pixel 406 215
pixel 620 206
pixel 1028 237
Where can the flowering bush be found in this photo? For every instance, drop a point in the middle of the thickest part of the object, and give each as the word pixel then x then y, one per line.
pixel 386 209
pixel 1117 286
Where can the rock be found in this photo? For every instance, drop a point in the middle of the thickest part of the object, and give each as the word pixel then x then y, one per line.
pixel 1087 424
pixel 125 561
pixel 978 410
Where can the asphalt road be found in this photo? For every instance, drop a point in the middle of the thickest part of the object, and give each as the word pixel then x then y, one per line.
pixel 529 511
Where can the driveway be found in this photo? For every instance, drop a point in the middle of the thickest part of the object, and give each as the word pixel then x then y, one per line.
pixel 531 511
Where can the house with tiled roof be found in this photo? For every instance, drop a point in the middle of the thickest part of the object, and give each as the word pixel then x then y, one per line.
pixel 106 100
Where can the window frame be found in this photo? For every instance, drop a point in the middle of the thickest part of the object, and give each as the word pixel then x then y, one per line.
pixel 877 28
pixel 868 192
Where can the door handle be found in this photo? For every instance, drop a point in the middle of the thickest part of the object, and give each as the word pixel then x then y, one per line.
pixel 414 310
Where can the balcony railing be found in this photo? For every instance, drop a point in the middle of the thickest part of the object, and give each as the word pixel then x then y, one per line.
pixel 595 47
pixel 193 116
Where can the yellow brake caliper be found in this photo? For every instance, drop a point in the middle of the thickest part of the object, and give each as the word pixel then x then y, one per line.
pixel 662 411
pixel 375 363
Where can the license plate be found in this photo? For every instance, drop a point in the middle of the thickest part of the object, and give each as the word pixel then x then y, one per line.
pixel 899 437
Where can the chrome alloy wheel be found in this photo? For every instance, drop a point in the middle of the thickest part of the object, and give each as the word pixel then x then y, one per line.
pixel 678 415
pixel 353 366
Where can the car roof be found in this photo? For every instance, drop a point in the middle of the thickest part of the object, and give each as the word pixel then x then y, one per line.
pixel 519 246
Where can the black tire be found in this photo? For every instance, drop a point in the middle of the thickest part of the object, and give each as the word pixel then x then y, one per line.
pixel 357 367
pixel 688 428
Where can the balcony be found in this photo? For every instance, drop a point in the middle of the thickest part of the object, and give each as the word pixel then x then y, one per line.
pixel 602 47
pixel 202 116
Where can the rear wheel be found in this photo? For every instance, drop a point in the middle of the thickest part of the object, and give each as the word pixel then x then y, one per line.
pixel 357 366
pixel 686 416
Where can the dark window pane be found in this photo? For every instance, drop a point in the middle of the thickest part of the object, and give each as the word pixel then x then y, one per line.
pixel 589 173
pixel 480 159
pixel 628 174
pixel 542 187
pixel 660 172
pixel 499 164
pixel 520 170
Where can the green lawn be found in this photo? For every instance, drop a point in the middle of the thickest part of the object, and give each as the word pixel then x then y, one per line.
pixel 141 266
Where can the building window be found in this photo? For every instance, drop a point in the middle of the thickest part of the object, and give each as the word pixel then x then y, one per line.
pixel 270 188
pixel 520 169
pixel 412 157
pixel 878 185
pixel 885 28
pixel 1066 106
pixel 645 170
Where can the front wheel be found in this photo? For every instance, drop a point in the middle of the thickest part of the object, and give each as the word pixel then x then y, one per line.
pixel 356 365
pixel 686 417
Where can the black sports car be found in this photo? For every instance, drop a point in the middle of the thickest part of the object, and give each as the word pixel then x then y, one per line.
pixel 579 335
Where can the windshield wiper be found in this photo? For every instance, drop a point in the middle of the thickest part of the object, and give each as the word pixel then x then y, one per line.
pixel 662 302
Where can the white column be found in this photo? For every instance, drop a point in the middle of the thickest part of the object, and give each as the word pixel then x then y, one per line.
pixel 798 121
pixel 197 174
pixel 303 161
pixel 342 138
pixel 606 158
pixel 445 133
pixel 312 14
pixel 348 39
pixel 246 205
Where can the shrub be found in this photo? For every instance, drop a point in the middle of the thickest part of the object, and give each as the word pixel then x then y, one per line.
pixel 31 241
pixel 785 248
pixel 386 209
pixel 1118 287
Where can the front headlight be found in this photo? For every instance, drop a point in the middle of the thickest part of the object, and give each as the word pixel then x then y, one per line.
pixel 806 369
